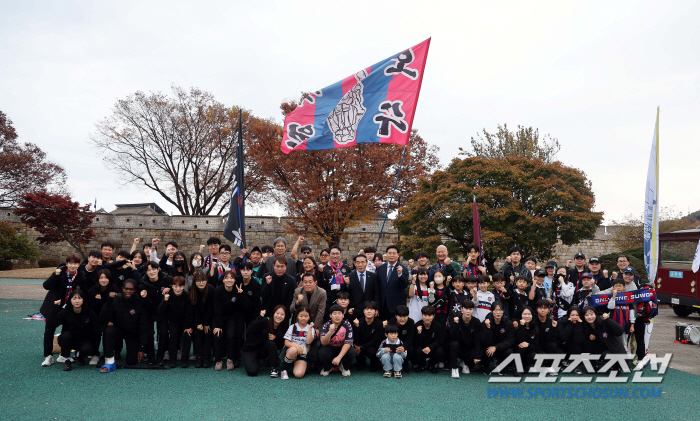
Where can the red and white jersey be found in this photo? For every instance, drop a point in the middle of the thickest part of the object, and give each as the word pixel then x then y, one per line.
pixel 483 304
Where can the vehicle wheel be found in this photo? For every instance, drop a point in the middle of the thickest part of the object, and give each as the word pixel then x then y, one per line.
pixel 682 311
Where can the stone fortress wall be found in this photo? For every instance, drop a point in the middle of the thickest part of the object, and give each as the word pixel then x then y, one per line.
pixel 191 231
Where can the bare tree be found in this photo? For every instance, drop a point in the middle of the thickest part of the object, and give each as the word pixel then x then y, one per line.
pixel 182 147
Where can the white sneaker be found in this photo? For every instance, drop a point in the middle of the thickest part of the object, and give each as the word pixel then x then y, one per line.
pixel 47 361
pixel 455 373
pixel 284 375
pixel 193 357
pixel 343 371
pixel 94 359
pixel 166 356
pixel 644 361
pixel 60 359
pixel 441 365
pixel 179 355
pixel 465 369
pixel 325 373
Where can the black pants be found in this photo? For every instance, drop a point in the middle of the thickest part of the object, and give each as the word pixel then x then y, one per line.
pixel 50 330
pixel 499 355
pixel 175 333
pixel 370 354
pixel 436 356
pixel 68 342
pixel 202 343
pixel 113 335
pixel 462 352
pixel 639 331
pixel 327 353
pixel 162 338
pixel 228 341
pixel 251 359
pixel 527 356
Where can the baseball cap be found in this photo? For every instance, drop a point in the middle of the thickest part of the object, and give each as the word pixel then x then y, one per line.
pixel 551 264
pixel 539 272
pixel 580 256
pixel 256 248
pixel 586 275
pixel 629 269
pixel 593 260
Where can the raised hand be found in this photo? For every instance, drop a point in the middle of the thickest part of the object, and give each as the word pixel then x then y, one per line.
pixel 144 293
pixel 419 329
pixel 300 299
pixel 605 273
pixel 399 270
pixel 554 323
pixel 268 279
pixel 240 290
pixel 262 313
pixel 448 260
pixel 356 323
pixel 384 323
pixel 98 296
pixel 346 279
pixel 137 240
pixel 166 297
pixel 487 322
pixel 456 319
pixel 155 242
pixel 57 271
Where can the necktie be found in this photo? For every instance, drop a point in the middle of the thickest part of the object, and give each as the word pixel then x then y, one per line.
pixel 362 281
pixel 388 274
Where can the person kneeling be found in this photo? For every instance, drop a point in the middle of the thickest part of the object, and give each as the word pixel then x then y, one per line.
pixel 80 326
pixel 465 340
pixel 298 340
pixel 336 343
pixel 428 342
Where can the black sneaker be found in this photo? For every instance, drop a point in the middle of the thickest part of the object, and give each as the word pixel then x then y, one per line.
pixel 172 364
pixel 273 373
pixel 67 366
pixel 417 368
pixel 80 361
pixel 183 363
pixel 198 363
pixel 433 369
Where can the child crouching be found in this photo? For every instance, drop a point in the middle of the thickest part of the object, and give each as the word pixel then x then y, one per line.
pixel 391 352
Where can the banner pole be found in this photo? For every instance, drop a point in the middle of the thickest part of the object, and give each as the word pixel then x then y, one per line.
pixel 392 196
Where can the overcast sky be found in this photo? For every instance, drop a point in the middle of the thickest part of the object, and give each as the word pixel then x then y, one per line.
pixel 590 74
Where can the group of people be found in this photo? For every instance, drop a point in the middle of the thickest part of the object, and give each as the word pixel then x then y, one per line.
pixel 294 313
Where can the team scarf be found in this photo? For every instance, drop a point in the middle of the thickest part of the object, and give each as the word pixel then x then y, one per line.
pixel 337 278
pixel 69 287
pixel 621 315
pixel 630 297
pixel 441 266
pixel 560 302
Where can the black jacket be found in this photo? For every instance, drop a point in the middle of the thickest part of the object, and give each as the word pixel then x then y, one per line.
pixel 571 335
pixel 279 291
pixel 530 335
pixel 468 335
pixel 517 302
pixel 606 332
pixel 368 337
pixel 250 299
pixel 502 336
pixel 202 312
pixel 227 305
pixel 130 316
pixel 56 286
pixel 119 273
pixel 175 309
pixel 432 338
pixel 407 332
pixel 154 290
pixel 547 332
pixel 257 334
pixel 83 325
pixel 326 279
pixel 97 303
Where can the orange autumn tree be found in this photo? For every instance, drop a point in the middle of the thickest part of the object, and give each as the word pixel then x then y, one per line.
pixel 325 192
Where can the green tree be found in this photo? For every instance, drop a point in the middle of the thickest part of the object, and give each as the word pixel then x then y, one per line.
pixel 15 245
pixel 524 142
pixel 521 202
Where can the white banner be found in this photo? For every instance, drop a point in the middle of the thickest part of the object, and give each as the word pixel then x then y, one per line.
pixel 651 208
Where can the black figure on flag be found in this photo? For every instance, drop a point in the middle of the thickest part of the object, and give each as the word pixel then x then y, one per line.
pixel 235 224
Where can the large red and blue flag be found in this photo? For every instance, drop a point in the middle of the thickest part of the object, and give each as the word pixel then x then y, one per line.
pixel 375 105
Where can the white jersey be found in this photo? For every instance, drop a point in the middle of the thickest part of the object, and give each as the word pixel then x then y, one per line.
pixel 482 304
pixel 297 335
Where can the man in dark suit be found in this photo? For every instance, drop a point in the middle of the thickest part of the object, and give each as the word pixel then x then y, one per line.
pixel 362 286
pixel 392 278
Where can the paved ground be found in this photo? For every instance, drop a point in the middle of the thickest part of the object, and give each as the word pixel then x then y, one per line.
pixel 33 273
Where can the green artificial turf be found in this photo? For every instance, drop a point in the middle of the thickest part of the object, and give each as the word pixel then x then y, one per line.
pixel 32 392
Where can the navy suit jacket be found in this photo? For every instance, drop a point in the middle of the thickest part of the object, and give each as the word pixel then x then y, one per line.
pixel 358 298
pixel 392 291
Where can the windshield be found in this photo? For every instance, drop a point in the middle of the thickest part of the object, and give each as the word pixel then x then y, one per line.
pixel 678 251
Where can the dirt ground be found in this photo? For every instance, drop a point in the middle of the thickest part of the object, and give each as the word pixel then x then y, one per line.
pixel 34 273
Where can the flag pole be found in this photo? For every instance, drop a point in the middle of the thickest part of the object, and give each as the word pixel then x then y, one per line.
pixel 392 196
